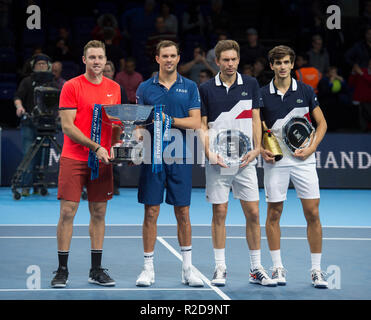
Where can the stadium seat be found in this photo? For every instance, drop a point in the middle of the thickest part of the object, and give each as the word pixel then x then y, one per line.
pixel 8 77
pixel 82 28
pixel 106 7
pixel 33 37
pixel 7 90
pixel 7 59
pixel 70 69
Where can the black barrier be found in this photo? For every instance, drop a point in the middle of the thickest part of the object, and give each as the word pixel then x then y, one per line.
pixel 343 161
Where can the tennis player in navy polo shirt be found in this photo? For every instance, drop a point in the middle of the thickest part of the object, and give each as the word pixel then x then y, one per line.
pixel 285 98
pixel 232 101
pixel 182 103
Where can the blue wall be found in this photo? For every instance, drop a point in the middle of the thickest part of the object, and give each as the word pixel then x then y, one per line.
pixel 343 161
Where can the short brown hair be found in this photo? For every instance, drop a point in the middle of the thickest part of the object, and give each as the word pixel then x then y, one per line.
pixel 110 63
pixel 94 44
pixel 279 52
pixel 166 44
pixel 224 45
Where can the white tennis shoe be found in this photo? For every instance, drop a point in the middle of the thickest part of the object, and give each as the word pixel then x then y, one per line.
pixel 220 276
pixel 147 277
pixel 190 278
pixel 318 279
pixel 260 276
pixel 279 275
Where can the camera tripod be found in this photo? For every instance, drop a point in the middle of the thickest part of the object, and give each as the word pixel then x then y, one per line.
pixel 44 140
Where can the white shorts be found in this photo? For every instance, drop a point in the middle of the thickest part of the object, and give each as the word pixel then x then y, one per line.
pixel 243 181
pixel 304 178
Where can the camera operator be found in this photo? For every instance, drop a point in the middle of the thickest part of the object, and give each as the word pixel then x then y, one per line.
pixel 24 102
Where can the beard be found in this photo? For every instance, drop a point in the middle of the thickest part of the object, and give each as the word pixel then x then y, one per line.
pixel 95 72
pixel 169 70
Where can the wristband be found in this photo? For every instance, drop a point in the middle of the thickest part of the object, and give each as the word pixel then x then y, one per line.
pixel 96 150
pixel 171 120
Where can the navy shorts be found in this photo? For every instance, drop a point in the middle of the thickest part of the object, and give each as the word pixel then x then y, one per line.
pixel 176 178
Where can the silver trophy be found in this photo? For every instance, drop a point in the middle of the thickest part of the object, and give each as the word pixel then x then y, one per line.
pixel 232 145
pixel 130 116
pixel 297 133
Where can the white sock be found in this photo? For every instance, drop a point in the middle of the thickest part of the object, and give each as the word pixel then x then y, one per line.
pixel 316 261
pixel 255 260
pixel 219 255
pixel 148 259
pixel 187 256
pixel 276 258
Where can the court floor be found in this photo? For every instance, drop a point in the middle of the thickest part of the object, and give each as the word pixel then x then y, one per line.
pixel 28 246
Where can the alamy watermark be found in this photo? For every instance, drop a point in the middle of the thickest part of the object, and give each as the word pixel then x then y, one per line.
pixel 34 280
pixel 333 277
pixel 182 148
pixel 334 20
pixel 34 20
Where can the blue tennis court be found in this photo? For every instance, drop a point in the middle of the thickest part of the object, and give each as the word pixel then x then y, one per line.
pixel 29 248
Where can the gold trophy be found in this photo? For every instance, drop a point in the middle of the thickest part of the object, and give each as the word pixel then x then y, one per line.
pixel 270 143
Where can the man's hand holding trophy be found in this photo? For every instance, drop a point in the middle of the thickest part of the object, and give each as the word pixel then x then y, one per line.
pixel 271 150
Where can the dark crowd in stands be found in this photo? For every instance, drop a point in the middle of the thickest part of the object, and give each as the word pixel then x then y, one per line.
pixel 336 63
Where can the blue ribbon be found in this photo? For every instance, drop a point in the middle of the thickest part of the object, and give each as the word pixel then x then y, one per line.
pixel 95 135
pixel 167 127
pixel 161 137
pixel 157 140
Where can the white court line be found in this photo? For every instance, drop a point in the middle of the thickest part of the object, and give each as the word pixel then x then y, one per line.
pixel 265 238
pixel 74 237
pixel 206 280
pixel 174 225
pixel 175 237
pixel 106 289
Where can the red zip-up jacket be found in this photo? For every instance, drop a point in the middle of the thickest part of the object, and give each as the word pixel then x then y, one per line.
pixel 361 85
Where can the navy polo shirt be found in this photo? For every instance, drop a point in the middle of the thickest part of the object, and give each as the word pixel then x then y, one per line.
pixel 217 99
pixel 230 107
pixel 182 97
pixel 299 101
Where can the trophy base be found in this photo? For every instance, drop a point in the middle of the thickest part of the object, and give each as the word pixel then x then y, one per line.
pixel 231 145
pixel 232 163
pixel 127 155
